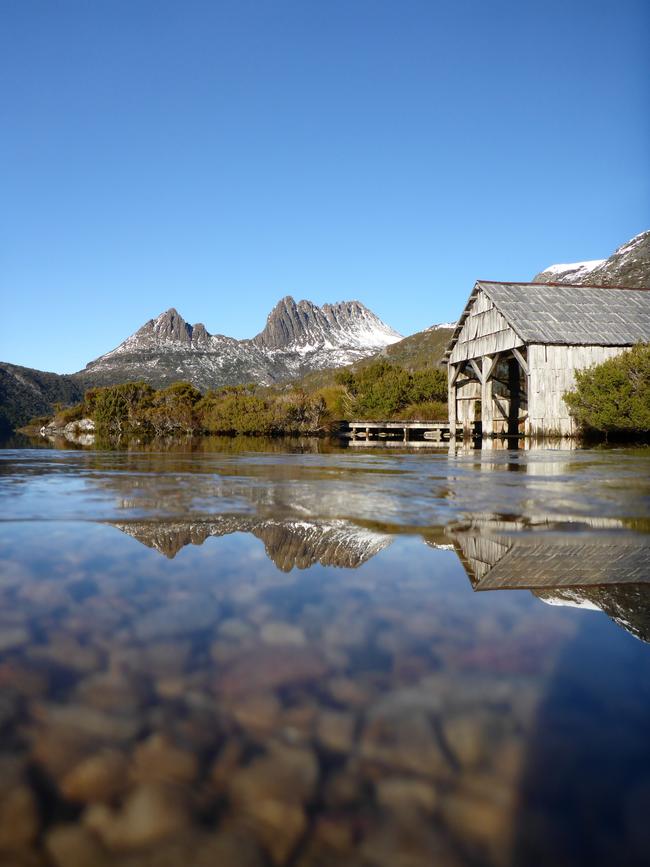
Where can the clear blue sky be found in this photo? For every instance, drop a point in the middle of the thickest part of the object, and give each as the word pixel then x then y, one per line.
pixel 215 156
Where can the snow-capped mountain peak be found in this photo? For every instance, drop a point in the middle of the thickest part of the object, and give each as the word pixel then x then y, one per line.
pixel 298 337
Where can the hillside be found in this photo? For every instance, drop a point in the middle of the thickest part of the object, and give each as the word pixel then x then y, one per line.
pixel 25 393
pixel 417 352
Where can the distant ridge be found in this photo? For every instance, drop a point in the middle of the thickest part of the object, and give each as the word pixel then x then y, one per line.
pixel 628 268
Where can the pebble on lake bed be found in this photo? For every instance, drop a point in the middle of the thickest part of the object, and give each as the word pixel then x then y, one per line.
pixel 152 812
pixel 270 794
pixel 99 777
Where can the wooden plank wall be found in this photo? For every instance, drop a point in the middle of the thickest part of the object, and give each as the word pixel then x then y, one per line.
pixel 484 331
pixel 552 374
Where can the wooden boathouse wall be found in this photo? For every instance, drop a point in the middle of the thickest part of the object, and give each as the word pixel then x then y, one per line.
pixel 552 373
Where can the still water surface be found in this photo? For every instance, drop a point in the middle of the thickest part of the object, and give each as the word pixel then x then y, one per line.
pixel 314 659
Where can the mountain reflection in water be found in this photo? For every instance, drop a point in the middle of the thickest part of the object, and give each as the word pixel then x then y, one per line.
pixel 314 672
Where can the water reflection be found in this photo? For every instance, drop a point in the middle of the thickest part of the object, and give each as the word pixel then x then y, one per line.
pixel 560 562
pixel 288 544
pixel 280 660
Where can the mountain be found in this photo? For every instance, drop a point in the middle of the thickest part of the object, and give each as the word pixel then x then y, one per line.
pixel 629 265
pixel 26 393
pixel 298 338
pixel 288 543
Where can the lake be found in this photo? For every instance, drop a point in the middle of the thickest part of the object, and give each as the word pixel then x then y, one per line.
pixel 241 656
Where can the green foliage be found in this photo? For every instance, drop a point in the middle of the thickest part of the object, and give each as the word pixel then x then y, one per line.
pixel 173 410
pixel 384 390
pixel 135 408
pixel 72 413
pixel 425 411
pixel 614 395
pixel 26 393
pixel 236 410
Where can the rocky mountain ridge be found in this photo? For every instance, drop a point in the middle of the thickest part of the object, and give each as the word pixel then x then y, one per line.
pixel 298 337
pixel 629 266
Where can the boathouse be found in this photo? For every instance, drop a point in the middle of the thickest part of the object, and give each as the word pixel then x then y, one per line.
pixel 516 347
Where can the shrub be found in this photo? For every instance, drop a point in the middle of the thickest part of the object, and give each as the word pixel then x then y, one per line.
pixel 614 395
pixel 383 390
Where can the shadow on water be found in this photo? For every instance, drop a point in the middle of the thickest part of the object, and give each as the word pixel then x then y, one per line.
pixel 584 794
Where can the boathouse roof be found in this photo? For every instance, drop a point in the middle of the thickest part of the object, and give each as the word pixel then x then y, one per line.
pixel 562 313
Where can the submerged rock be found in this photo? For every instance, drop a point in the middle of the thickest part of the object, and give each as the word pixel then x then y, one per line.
pixel 186 616
pixel 272 667
pixel 406 796
pixel 100 777
pixel 335 730
pixel 19 819
pixel 270 795
pixel 151 813
pixel 12 637
pixel 277 632
pixel 158 760
pixel 75 846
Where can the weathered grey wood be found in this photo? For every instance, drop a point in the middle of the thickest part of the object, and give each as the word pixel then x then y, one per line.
pixel 493 360
pixel 454 370
pixel 477 370
pixel 520 358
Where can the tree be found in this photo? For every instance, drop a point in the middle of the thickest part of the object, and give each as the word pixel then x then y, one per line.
pixel 173 409
pixel 614 395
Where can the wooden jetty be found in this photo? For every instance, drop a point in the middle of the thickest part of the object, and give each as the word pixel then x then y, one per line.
pixel 414 434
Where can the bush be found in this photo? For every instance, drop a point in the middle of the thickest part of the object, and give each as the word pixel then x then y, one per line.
pixel 236 410
pixel 384 390
pixel 614 395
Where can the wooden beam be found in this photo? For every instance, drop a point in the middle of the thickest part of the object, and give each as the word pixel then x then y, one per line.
pixel 520 358
pixel 504 411
pixel 477 369
pixel 493 363
pixel 457 369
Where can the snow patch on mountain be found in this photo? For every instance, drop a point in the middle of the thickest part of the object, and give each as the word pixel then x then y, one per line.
pixel 628 266
pixel 440 325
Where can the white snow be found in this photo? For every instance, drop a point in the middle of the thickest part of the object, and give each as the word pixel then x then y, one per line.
pixel 575 602
pixel 585 267
pixel 441 325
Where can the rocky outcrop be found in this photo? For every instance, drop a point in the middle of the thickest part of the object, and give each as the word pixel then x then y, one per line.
pixel 304 326
pixel 81 432
pixel 628 266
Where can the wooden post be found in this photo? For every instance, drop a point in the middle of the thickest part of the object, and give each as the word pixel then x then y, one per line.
pixel 487 406
pixel 451 401
pixel 514 392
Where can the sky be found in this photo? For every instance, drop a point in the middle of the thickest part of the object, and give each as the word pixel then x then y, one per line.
pixel 215 156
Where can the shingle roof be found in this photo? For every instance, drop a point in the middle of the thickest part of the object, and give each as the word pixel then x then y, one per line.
pixel 567 314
